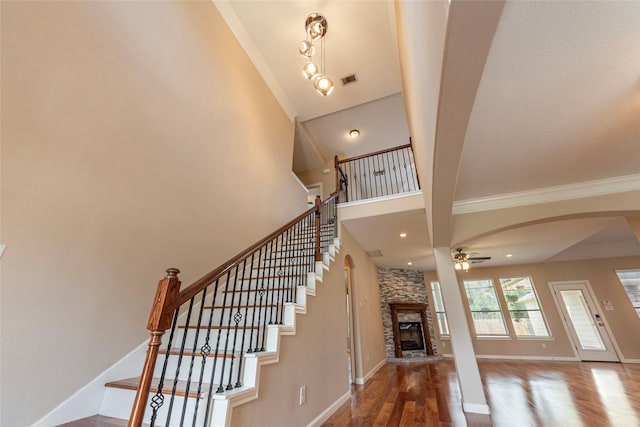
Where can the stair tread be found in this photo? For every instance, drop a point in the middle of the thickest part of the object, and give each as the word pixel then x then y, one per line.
pixel 224 327
pixel 181 387
pixel 175 351
pixel 97 421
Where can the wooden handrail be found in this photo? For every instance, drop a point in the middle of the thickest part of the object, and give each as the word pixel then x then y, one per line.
pixel 364 156
pixel 197 286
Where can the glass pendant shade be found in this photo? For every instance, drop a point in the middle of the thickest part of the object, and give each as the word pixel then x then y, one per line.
pixel 306 49
pixel 465 265
pixel 316 26
pixel 310 70
pixel 323 85
pixel 458 266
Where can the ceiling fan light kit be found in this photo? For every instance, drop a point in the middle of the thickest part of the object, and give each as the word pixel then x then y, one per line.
pixel 461 260
pixel 316 28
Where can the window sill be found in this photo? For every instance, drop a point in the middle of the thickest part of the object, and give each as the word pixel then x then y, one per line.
pixel 493 337
pixel 525 338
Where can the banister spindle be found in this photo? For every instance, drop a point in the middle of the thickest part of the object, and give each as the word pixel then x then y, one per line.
pixel 160 319
pixel 318 254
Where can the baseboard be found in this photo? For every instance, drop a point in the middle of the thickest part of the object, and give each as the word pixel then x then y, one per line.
pixel 476 408
pixel 87 401
pixel 324 416
pixel 517 357
pixel 363 380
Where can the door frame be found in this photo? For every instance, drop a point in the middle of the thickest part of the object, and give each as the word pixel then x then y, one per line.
pixel 574 345
pixel 348 272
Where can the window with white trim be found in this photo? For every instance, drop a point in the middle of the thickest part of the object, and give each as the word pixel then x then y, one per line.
pixel 523 306
pixel 438 305
pixel 485 308
pixel 630 280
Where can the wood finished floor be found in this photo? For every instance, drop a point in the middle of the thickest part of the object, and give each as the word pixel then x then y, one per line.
pixel 520 393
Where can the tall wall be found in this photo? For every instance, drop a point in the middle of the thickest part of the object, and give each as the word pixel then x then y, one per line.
pixel 317 355
pixel 623 320
pixel 135 136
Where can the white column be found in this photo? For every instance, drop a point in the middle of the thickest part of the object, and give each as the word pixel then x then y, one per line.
pixel 473 398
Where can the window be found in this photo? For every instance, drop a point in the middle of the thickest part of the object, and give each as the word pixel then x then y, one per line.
pixel 441 316
pixel 524 309
pixel 630 280
pixel 485 308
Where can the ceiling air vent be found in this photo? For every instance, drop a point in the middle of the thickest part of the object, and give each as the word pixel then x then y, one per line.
pixel 349 79
pixel 374 253
pixel 378 173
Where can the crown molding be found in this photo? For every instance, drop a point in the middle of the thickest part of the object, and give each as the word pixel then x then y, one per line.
pixel 619 184
pixel 238 30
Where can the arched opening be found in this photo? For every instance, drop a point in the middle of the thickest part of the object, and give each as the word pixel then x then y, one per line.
pixel 351 348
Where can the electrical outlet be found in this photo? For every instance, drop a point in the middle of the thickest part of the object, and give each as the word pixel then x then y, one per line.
pixel 444 344
pixel 544 345
pixel 368 357
pixel 303 394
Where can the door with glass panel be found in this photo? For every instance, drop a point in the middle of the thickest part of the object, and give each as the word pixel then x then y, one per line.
pixel 584 322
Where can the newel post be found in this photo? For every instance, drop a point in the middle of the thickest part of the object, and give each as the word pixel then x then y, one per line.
pixel 318 254
pixel 160 319
pixel 414 162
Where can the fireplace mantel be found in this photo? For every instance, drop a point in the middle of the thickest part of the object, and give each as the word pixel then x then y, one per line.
pixel 409 307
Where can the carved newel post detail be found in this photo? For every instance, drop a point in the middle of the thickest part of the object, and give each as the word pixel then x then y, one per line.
pixel 160 319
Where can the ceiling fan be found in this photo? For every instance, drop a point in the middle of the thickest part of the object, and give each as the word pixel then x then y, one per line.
pixel 461 260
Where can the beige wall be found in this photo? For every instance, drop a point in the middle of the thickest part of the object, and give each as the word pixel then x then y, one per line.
pixel 135 136
pixel 317 355
pixel 328 179
pixel 623 320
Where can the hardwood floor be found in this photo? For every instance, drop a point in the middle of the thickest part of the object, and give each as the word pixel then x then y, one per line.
pixel 520 393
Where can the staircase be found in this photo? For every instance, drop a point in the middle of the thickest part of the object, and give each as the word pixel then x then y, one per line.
pixel 225 326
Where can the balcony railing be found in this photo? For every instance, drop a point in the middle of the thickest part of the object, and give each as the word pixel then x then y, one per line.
pixel 378 174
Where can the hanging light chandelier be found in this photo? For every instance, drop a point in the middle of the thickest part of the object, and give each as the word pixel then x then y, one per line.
pixel 316 28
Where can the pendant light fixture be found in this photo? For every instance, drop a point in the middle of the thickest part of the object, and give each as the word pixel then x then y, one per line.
pixel 316 28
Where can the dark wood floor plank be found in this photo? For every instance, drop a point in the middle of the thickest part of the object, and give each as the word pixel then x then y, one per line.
pixel 520 393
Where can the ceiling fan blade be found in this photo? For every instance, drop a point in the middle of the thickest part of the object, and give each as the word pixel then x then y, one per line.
pixel 479 258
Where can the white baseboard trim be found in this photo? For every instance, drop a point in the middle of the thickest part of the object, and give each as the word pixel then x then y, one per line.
pixel 476 408
pixel 518 357
pixel 324 416
pixel 87 401
pixel 362 381
pixel 623 360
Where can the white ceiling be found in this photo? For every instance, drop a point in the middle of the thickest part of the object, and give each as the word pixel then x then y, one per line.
pixel 558 103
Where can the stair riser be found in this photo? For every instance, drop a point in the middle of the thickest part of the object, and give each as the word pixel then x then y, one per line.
pixel 230 365
pixel 117 403
pixel 275 297
pixel 242 342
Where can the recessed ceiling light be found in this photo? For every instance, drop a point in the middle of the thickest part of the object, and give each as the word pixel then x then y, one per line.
pixel 403 235
pixel 509 255
pixel 409 263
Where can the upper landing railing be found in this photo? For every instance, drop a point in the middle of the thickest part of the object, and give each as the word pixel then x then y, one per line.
pixel 379 174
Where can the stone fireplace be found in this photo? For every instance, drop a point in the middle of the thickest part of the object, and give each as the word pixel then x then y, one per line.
pixel 408 287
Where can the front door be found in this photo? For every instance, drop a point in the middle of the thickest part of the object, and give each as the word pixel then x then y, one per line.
pixel 584 322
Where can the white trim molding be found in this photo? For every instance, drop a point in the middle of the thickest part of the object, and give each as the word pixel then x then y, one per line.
pixel 619 184
pixel 476 408
pixel 516 357
pixel 324 416
pixel 362 381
